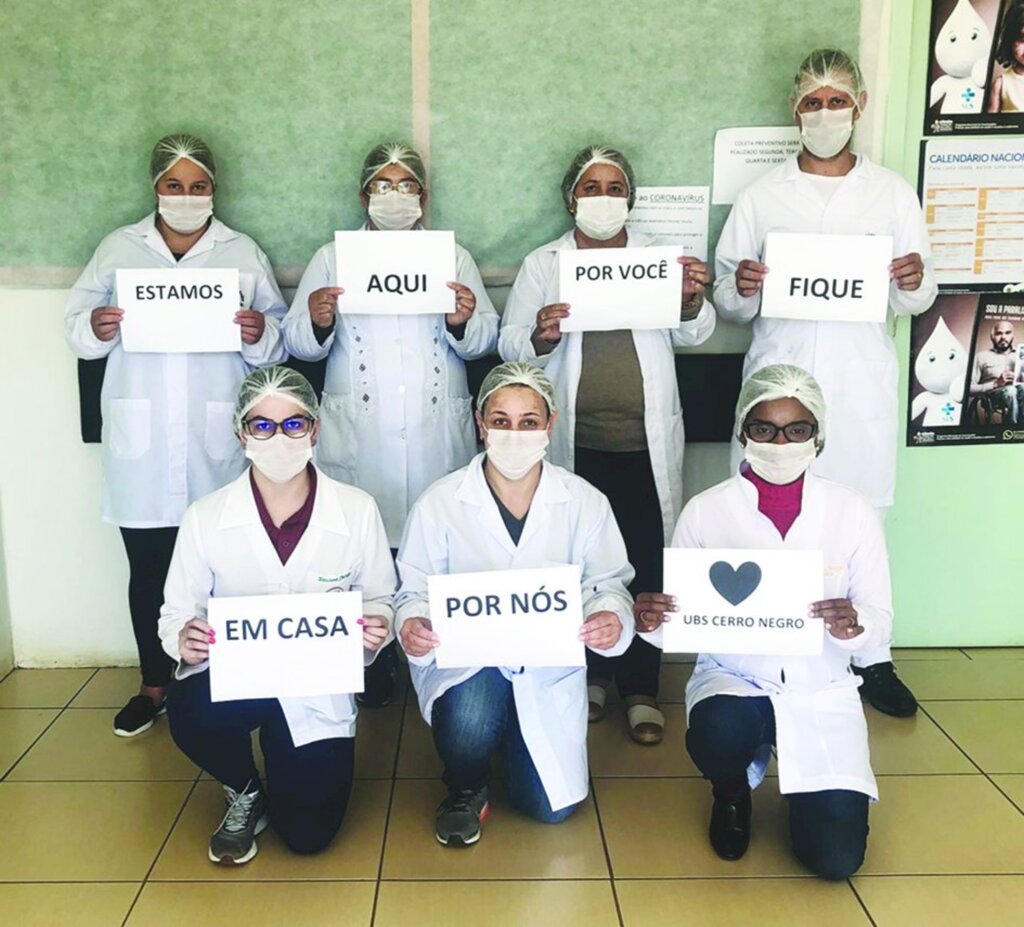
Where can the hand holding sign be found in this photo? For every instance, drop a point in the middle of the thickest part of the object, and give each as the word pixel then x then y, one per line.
pixel 323 303
pixel 696 278
pixel 194 640
pixel 749 278
pixel 840 618
pixel 601 631
pixel 465 305
pixel 252 323
pixel 105 322
pixel 907 271
pixel 652 609
pixel 418 637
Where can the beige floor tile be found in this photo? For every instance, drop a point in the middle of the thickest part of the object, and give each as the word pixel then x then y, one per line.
pixel 952 680
pixel 1012 786
pixel 614 753
pixel 377 732
pixel 111 687
pixel 417 758
pixel 354 854
pixel 946 901
pixel 930 825
pixel 300 904
pixel 995 653
pixel 83 905
pixel 657 828
pixel 912 746
pixel 84 831
pixel 671 688
pixel 729 902
pixel 899 654
pixel 18 728
pixel 512 846
pixel 42 688
pixel 991 733
pixel 81 745
pixel 496 904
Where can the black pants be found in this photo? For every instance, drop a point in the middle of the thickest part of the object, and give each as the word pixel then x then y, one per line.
pixel 307 788
pixel 628 481
pixel 149 557
pixel 828 830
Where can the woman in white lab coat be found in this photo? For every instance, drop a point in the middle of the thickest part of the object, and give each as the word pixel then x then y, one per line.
pixel 621 422
pixel 827 189
pixel 167 436
pixel 510 509
pixel 281 527
pixel 807 707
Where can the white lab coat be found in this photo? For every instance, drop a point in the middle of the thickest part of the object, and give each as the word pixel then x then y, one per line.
pixel 536 286
pixel 456 527
pixel 855 362
pixel 168 437
pixel 224 550
pixel 821 734
pixel 396 413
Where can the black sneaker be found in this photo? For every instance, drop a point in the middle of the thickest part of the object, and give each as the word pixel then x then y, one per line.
pixel 729 831
pixel 460 815
pixel 380 679
pixel 884 690
pixel 137 716
pixel 234 842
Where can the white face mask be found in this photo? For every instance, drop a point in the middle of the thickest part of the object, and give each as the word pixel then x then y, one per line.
pixel 185 214
pixel 780 463
pixel 825 132
pixel 601 217
pixel 279 458
pixel 515 453
pixel 394 211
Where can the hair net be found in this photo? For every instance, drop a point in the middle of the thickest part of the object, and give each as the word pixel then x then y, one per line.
pixel 172 148
pixel 782 381
pixel 597 154
pixel 517 373
pixel 393 153
pixel 828 67
pixel 274 381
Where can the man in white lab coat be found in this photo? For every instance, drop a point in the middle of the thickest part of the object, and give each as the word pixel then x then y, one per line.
pixel 739 706
pixel 167 435
pixel 827 189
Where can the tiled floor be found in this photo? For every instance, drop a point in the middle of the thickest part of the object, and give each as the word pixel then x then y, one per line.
pixel 97 830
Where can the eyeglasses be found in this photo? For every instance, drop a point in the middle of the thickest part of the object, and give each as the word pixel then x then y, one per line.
pixel 298 426
pixel 796 432
pixel 380 187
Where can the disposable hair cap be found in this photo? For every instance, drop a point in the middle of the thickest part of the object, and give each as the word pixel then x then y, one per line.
pixel 393 153
pixel 828 67
pixel 517 373
pixel 172 148
pixel 782 381
pixel 275 381
pixel 589 156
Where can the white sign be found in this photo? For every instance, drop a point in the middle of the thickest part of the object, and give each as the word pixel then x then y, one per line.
pixel 170 311
pixel 743 155
pixel 835 278
pixel 508 618
pixel 744 601
pixel 395 273
pixel 608 289
pixel 973 198
pixel 673 216
pixel 286 646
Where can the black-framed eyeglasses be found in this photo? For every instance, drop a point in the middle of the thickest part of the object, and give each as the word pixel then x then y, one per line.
pixel 764 432
pixel 296 426
pixel 381 187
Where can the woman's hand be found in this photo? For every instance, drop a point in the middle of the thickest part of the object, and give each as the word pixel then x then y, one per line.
pixel 907 271
pixel 465 305
pixel 375 631
pixel 652 609
pixel 195 640
pixel 253 323
pixel 417 637
pixel 749 277
pixel 840 618
pixel 105 322
pixel 696 278
pixel 323 303
pixel 601 630
pixel 549 321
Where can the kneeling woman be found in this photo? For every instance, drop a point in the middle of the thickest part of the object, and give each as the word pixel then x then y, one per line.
pixel 808 707
pixel 509 509
pixel 282 526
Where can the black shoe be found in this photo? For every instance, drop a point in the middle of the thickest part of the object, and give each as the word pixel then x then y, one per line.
pixel 882 689
pixel 137 716
pixel 379 679
pixel 460 815
pixel 730 826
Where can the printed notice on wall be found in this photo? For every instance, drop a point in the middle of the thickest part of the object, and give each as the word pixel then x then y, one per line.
pixel 673 216
pixel 743 155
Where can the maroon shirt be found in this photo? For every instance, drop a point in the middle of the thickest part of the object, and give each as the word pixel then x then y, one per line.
pixel 290 533
pixel 780 504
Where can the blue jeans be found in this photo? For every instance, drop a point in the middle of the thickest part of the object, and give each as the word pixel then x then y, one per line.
pixel 828 830
pixel 307 788
pixel 469 723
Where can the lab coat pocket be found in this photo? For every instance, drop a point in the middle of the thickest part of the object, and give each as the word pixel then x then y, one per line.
pixel 219 436
pixel 338 442
pixel 130 427
pixel 460 438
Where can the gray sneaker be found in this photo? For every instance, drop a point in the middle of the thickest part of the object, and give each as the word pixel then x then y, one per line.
pixel 234 842
pixel 460 815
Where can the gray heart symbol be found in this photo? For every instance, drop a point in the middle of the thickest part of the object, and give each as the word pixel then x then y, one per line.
pixel 735 585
